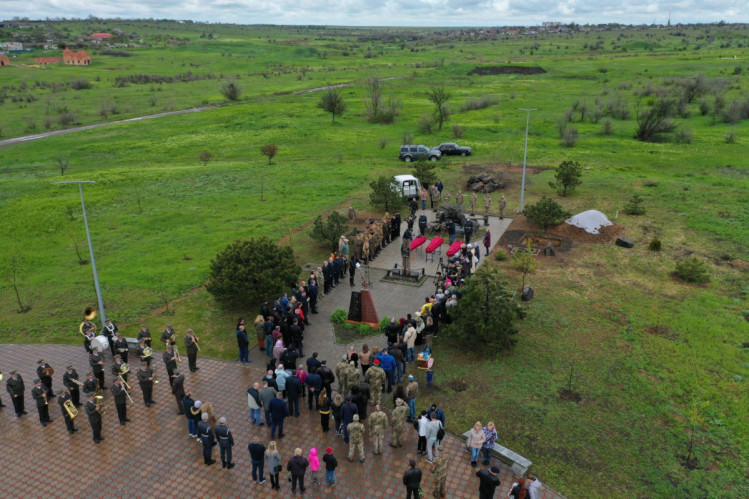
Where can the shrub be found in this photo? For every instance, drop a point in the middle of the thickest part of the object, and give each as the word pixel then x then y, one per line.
pixel 245 272
pixel 80 84
pixel 426 125
pixel 204 157
pixel 348 325
pixel 408 138
pixel 338 316
pixel 569 136
pixel 692 271
pixel 704 107
pixel 634 205
pixel 654 122
pixel 655 244
pixel 458 131
pixel 383 143
pixel 567 176
pixel 384 323
pixel 475 103
pixel 500 256
pixel 546 213
pixel 730 137
pixel 67 118
pixel 231 91
pixel 366 329
pixel 684 136
pixel 607 128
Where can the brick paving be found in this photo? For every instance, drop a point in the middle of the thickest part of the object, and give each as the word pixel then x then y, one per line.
pixel 154 456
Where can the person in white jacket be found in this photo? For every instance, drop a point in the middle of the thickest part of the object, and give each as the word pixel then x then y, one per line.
pixel 253 401
pixel 422 445
pixel 410 339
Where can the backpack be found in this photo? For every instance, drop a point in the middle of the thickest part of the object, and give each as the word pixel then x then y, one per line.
pixel 440 433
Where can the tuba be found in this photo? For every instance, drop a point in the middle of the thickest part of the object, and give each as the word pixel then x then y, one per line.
pixel 88 314
pixel 101 408
pixel 70 408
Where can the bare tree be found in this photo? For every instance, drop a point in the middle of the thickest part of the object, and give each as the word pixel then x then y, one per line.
pixel 63 164
pixel 439 97
pixel 269 150
pixel 13 265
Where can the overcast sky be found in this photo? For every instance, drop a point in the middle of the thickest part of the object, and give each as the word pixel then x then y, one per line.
pixel 390 12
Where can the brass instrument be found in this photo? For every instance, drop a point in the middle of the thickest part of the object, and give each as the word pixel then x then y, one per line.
pixel 176 354
pixel 48 371
pixel 195 340
pixel 1 375
pixel 89 314
pixel 173 338
pixel 45 398
pixel 153 372
pixel 98 389
pixel 76 381
pixel 124 369
pixel 101 408
pixel 70 408
pixel 147 352
pixel 126 387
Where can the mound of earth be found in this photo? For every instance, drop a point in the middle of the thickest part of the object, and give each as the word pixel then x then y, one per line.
pixel 590 221
pixel 564 231
pixel 506 70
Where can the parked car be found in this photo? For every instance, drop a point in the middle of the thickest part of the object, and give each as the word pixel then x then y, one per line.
pixel 411 152
pixel 453 149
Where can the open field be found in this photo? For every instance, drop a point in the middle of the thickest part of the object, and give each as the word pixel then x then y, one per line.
pixel 158 215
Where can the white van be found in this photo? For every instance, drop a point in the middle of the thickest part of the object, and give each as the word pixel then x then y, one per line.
pixel 409 186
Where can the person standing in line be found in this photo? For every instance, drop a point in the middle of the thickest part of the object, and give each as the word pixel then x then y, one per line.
pixel 421 447
pixel 356 437
pixel 145 380
pixel 293 391
pixel 378 422
pixel 502 206
pixel 412 390
pixel 297 465
pixel 474 198
pixel 191 346
pixel 205 434
pixel 335 407
pixel 225 442
pixel 145 335
pixel 94 417
pixel 254 403
pixel 423 195
pixel 178 390
pixel 433 429
pixel 120 401
pixel 412 480
pixel 170 362
pixel 331 463
pixel 487 203
pixel 121 348
pixel 491 436
pixel 273 457
pixel 267 395
pixel 278 413
pixel 257 457
pixel 243 343
pixel 187 405
pixel 71 386
pixel 365 357
pixel 398 422
pixel 487 241
pixel 518 490
pixel 41 395
pixel 534 486
pixel 348 411
pixel 324 408
pixel 16 390
pixel 314 387
pixel 440 467
pixel 488 482
pixel 476 439
pixel 314 463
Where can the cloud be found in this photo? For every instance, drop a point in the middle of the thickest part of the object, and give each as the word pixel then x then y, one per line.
pixel 389 12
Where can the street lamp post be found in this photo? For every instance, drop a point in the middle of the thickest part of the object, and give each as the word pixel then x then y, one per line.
pixel 525 156
pixel 90 246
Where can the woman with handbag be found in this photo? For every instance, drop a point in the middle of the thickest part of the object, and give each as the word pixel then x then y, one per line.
pixel 273 457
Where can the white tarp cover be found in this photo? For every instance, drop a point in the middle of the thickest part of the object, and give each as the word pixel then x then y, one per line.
pixel 590 221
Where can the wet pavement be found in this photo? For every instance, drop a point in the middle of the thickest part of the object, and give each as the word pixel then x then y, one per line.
pixel 154 456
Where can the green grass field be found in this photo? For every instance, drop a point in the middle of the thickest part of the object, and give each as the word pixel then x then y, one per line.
pixel 158 215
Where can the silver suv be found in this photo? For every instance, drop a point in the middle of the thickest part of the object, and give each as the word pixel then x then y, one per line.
pixel 411 152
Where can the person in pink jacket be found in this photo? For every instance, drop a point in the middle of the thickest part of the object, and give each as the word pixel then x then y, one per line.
pixel 302 377
pixel 476 439
pixel 314 463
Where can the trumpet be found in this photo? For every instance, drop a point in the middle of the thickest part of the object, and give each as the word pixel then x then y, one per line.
pixel 196 340
pixel 176 354
pixel 70 408
pixel 101 408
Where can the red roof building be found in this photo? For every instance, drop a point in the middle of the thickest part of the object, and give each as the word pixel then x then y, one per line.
pixel 4 60
pixel 80 58
pixel 47 60
pixel 102 36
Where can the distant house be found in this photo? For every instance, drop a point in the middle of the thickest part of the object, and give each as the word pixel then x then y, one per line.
pixel 13 46
pixel 4 61
pixel 47 60
pixel 80 58
pixel 102 36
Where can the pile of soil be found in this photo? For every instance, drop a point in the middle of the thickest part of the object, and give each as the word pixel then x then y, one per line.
pixel 563 232
pixel 506 70
pixel 538 239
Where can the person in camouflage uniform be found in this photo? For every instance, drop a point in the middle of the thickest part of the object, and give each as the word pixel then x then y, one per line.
pixel 439 467
pixel 352 377
pixel 341 370
pixel 376 377
pixel 474 199
pixel 398 422
pixel 356 439
pixel 446 196
pixel 378 422
pixel 487 202
pixel 459 197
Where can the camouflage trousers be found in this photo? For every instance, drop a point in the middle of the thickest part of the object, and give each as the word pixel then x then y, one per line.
pixel 399 436
pixel 376 397
pixel 352 450
pixel 439 486
pixel 377 443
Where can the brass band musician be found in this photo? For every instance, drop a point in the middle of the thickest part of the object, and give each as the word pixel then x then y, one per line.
pixel 71 383
pixel 166 336
pixel 97 364
pixel 91 384
pixel 69 423
pixel 45 372
pixel 16 388
pixel 39 392
pixel 146 381
pixel 88 329
pixel 117 368
pixel 121 347
pixel 93 411
pixel 141 351
pixel 191 346
pixel 170 361
pixel 110 331
pixel 120 401
pixel 144 334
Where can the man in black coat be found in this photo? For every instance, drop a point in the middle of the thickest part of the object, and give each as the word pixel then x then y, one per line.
pixel 178 390
pixel 46 378
pixel 278 413
pixel 15 389
pixel 348 410
pixel 313 364
pixel 225 443
pixel 94 418
pixel 314 384
pixel 69 423
pixel 170 362
pixel 328 378
pixel 121 348
pixel 146 381
pixel 488 482
pixel 110 331
pixel 39 392
pixel 205 434
pixel 293 392
pixel 290 356
pixel 296 334
pixel 120 401
pixel 412 480
pixel 96 360
pixel 72 386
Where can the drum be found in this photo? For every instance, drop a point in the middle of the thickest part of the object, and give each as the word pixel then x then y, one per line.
pixel 101 342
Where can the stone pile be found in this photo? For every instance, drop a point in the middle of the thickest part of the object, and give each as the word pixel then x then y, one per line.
pixel 484 183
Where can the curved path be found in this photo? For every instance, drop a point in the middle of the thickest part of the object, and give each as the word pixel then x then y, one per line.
pixel 153 455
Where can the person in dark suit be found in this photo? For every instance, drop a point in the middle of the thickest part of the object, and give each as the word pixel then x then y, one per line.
pixel 120 401
pixel 94 418
pixel 278 413
pixel 191 346
pixel 178 390
pixel 121 347
pixel 225 443
pixel 348 410
pixel 96 360
pixel 145 380
pixel 144 334
pixel 15 389
pixel 46 378
pixel 72 386
pixel 293 392
pixel 205 434
pixel 69 423
pixel 170 361
pixel 117 367
pixel 40 394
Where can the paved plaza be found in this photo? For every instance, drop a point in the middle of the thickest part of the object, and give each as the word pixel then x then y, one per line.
pixel 153 456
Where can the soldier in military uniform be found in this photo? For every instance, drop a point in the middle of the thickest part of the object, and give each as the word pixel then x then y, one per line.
pixel 94 418
pixel 459 197
pixel 378 422
pixel 117 367
pixel 178 390
pixel 91 384
pixel 15 389
pixel 166 336
pixel 120 401
pixel 205 434
pixel 121 347
pixel 39 392
pixel 72 387
pixel 96 360
pixel 170 361
pixel 487 203
pixel 439 467
pixel 46 378
pixel 145 380
pixel 398 422
pixel 341 373
pixel 502 206
pixel 376 377
pixel 144 335
pixel 110 331
pixel 446 196
pixel 139 352
pixel 225 442
pixel 191 347
pixel 352 377
pixel 69 423
pixel 356 439
pixel 474 199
